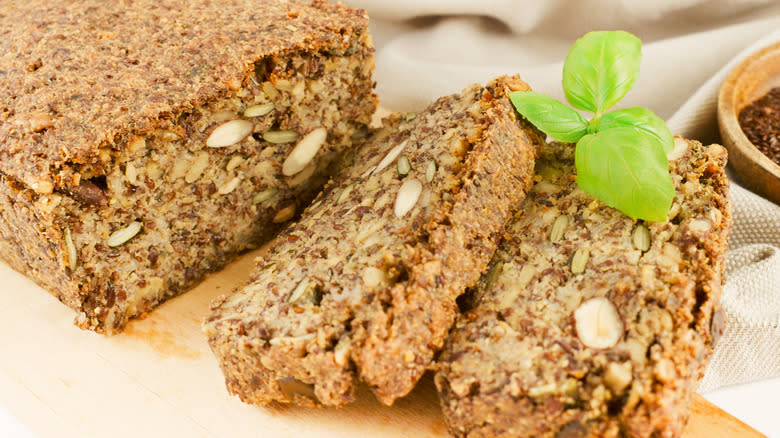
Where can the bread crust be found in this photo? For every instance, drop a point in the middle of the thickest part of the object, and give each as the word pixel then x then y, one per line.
pixel 516 364
pixel 385 286
pixel 109 113
pixel 87 76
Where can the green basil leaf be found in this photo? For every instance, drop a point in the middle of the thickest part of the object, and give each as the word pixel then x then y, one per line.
pixel 600 69
pixel 627 171
pixel 550 116
pixel 641 119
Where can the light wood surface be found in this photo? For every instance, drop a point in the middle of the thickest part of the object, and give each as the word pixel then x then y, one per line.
pixel 159 379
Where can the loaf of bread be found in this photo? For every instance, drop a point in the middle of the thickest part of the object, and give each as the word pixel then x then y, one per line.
pixel 146 143
pixel 589 323
pixel 365 284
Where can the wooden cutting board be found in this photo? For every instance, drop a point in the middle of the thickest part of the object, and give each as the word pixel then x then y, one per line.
pixel 159 379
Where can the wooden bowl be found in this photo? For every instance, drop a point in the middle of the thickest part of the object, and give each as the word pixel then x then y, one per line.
pixel 749 81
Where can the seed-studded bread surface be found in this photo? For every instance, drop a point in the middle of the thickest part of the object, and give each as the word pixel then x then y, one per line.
pixel 590 323
pixel 365 284
pixel 145 143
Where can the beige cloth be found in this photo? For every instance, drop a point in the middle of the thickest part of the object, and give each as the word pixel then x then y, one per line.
pixel 426 49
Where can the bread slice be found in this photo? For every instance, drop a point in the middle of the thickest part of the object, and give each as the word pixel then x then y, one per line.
pixel 590 323
pixel 365 284
pixel 139 153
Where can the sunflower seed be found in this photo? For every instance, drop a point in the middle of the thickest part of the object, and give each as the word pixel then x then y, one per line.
pixel 344 194
pixel 391 156
pixel 279 137
pixel 264 195
pixel 304 151
pixel 122 235
pixel 559 227
pixel 579 260
pixel 403 166
pixel 72 254
pixel 284 214
pixel 229 133
pixel 299 291
pixel 407 196
pixel 259 110
pixel 640 237
pixel 229 186
pixel 430 170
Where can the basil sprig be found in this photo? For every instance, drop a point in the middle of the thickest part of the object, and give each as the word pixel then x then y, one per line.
pixel 620 155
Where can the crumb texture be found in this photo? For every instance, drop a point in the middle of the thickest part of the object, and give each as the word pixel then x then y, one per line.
pixel 145 144
pixel 589 323
pixel 80 76
pixel 365 284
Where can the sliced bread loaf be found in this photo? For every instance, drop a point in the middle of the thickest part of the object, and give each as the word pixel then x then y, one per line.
pixel 365 284
pixel 590 323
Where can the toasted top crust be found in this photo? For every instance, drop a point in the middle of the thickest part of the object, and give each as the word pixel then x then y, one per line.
pixel 80 76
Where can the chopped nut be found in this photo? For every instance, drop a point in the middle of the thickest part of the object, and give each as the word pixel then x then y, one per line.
pixel 304 151
pixel 259 110
pixel 169 135
pixel 122 235
pixel 640 237
pixel 409 356
pixel 391 156
pixel 153 170
pixel 579 260
pixel 618 376
pixel 131 174
pixel 284 214
pixel 407 196
pixel 598 323
pixel 700 225
pixel 270 91
pixel 196 168
pixel 341 353
pixel 664 370
pixel 180 167
pixel 234 162
pixel 716 216
pixel 674 211
pixel 279 137
pixel 637 351
pixel 540 390
pixel 229 133
pixel 559 227
pixel 403 166
pixel 33 122
pixel 372 276
pixel 72 254
pixel 264 195
pixel 223 116
pixel 430 170
pixel 137 144
pixel 229 186
pixel 302 176
pixel 290 339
